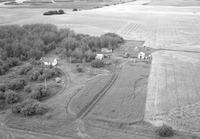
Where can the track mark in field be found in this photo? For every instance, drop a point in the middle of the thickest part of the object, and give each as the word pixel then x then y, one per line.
pixel 84 112
pixel 132 30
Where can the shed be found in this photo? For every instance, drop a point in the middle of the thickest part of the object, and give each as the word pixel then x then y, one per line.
pixel 58 79
pixel 141 55
pixel 99 56
pixel 49 61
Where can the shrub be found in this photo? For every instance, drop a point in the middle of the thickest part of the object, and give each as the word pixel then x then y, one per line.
pixel 12 97
pixel 2 87
pixel 29 107
pixel 13 62
pixel 28 89
pixel 17 84
pixel 2 97
pixel 40 93
pixel 79 69
pixel 25 70
pixel 97 63
pixel 61 11
pixel 165 131
pixel 53 12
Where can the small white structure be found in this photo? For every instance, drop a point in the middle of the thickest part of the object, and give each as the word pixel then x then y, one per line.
pixel 99 56
pixel 106 50
pixel 141 55
pixel 58 79
pixel 49 62
pixel 55 62
pixel 136 49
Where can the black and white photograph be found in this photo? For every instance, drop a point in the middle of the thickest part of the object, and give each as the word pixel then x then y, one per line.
pixel 99 69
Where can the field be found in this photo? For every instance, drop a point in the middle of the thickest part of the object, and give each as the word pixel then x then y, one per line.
pixel 179 85
pixel 85 96
pixel 125 101
pixel 174 2
pixel 173 85
pixel 69 4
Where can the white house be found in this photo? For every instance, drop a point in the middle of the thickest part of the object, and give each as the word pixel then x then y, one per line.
pixel 49 62
pixel 55 62
pixel 141 55
pixel 99 56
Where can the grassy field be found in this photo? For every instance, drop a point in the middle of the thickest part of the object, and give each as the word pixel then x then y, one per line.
pixel 81 100
pixel 125 101
pixel 69 4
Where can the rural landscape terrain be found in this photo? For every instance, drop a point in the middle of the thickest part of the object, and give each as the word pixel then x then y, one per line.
pixel 76 69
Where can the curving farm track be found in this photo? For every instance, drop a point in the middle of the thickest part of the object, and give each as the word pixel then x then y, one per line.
pixel 84 112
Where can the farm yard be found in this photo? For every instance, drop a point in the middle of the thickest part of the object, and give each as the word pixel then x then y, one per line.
pixel 134 104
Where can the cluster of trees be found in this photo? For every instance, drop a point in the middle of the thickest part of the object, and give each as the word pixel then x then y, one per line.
pixel 40 93
pixel 42 73
pixel 9 97
pixel 54 12
pixel 34 41
pixel 7 64
pixel 30 107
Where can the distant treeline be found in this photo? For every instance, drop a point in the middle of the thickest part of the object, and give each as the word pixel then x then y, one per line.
pixel 34 41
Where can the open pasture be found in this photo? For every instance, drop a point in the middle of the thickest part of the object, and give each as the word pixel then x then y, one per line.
pixel 80 102
pixel 125 101
pixel 173 90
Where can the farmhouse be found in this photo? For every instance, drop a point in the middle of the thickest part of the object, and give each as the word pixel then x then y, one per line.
pixel 99 56
pixel 141 55
pixel 49 62
pixel 144 55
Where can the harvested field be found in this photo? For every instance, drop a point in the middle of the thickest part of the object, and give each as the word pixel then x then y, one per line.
pixel 125 101
pixel 173 90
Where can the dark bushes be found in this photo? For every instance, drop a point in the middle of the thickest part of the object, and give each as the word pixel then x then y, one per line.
pixel 30 107
pixel 11 97
pixel 40 93
pixel 2 97
pixel 165 131
pixel 9 63
pixel 17 84
pixel 79 69
pixel 97 63
pixel 42 73
pixel 25 70
pixel 28 89
pixel 54 12
pixel 3 88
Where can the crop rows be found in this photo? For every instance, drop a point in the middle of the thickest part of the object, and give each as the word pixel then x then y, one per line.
pixel 173 90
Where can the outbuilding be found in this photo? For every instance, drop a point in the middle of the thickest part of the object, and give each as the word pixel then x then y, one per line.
pixel 141 55
pixel 99 56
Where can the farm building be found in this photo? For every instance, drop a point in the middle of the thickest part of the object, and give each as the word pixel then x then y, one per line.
pixel 141 55
pixel 106 52
pixel 99 56
pixel 49 62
